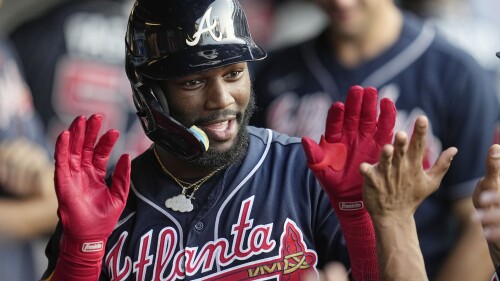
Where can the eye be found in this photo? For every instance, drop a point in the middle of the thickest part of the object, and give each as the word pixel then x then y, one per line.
pixel 192 83
pixel 234 74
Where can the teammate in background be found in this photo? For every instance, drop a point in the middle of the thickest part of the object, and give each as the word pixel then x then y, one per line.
pixel 212 198
pixel 486 200
pixel 374 43
pixel 74 65
pixel 464 23
pixel 27 200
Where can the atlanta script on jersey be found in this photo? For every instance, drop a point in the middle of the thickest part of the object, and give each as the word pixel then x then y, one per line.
pixel 266 218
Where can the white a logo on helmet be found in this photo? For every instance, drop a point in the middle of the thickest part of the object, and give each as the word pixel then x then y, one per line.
pixel 204 27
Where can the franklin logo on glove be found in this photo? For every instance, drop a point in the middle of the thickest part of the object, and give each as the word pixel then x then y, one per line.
pixel 92 246
pixel 351 206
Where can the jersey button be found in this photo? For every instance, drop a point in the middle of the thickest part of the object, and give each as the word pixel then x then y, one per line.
pixel 199 226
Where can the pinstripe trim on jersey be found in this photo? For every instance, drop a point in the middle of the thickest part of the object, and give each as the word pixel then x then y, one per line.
pixel 403 60
pixel 124 220
pixel 150 203
pixel 383 74
pixel 231 195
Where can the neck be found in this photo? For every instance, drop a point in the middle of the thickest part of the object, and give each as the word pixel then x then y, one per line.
pixel 380 35
pixel 182 169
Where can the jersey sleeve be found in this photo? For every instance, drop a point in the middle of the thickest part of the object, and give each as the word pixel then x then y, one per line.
pixel 52 252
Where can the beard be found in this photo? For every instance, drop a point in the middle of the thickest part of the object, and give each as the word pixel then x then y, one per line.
pixel 236 153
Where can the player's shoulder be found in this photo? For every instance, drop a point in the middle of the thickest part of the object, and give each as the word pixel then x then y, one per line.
pixel 440 51
pixel 269 136
pixel 269 143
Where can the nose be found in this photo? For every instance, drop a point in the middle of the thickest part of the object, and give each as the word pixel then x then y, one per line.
pixel 219 95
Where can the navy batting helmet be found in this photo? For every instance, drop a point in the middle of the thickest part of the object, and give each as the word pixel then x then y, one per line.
pixel 170 39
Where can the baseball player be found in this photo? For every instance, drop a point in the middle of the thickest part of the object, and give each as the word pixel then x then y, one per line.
pixel 212 198
pixel 374 43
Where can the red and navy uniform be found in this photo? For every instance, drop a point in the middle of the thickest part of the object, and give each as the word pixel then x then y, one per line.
pixel 265 218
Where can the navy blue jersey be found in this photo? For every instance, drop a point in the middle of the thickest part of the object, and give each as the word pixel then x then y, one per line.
pixel 423 74
pixel 265 218
pixel 496 274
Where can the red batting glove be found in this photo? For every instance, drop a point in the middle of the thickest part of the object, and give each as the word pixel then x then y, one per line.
pixel 88 209
pixel 352 136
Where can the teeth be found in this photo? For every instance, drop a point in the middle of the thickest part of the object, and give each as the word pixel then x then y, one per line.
pixel 218 126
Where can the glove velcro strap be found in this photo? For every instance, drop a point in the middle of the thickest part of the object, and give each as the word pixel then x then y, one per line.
pixel 80 259
pixel 361 244
pixel 348 207
pixel 85 249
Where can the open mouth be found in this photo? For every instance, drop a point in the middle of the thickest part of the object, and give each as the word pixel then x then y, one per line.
pixel 220 131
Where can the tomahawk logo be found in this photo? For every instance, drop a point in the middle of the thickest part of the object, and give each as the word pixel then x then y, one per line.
pixel 205 26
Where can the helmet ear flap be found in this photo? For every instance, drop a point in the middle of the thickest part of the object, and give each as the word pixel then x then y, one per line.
pixel 145 103
pixel 161 128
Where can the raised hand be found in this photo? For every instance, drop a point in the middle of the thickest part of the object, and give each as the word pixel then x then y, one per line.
pixel 486 200
pixel 398 183
pixel 88 209
pixel 353 135
pixel 392 191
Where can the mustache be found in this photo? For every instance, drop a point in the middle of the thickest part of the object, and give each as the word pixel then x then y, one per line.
pixel 219 115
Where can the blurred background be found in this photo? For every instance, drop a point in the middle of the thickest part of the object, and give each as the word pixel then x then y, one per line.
pixel 473 25
pixel 15 12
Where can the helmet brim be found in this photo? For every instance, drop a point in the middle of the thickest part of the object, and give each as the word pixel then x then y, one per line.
pixel 207 57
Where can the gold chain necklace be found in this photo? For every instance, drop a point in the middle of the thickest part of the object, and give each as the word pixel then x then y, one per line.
pixel 183 202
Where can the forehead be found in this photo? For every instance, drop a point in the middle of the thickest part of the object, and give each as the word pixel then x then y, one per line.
pixel 215 71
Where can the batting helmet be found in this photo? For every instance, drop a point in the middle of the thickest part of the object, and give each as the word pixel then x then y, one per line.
pixel 170 39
